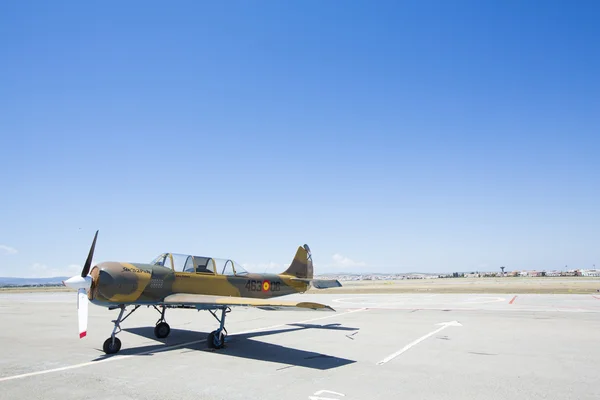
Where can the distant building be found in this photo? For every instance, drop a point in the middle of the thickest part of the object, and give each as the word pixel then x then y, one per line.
pixel 590 272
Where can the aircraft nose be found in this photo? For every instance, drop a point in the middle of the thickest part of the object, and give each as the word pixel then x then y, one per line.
pixel 104 280
pixel 114 282
pixel 95 274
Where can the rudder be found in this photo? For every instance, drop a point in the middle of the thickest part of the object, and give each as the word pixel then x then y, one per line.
pixel 301 266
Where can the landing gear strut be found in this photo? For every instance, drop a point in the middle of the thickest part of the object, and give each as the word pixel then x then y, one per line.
pixel 162 329
pixel 112 345
pixel 216 339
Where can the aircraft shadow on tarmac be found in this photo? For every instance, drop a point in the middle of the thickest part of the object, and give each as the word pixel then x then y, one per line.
pixel 242 345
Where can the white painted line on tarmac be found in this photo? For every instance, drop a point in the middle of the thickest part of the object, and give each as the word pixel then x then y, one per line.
pixel 318 394
pixel 499 308
pixel 443 326
pixel 299 322
pixel 160 350
pixel 416 301
pixel 483 300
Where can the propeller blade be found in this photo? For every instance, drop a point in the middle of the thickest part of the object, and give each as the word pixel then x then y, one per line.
pixel 82 312
pixel 88 262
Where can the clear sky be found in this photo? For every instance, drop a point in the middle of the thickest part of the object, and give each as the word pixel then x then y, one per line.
pixel 390 136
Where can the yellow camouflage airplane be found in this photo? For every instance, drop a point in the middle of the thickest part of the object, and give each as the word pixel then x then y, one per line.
pixel 185 281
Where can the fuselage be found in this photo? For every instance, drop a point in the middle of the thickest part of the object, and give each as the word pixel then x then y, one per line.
pixel 116 283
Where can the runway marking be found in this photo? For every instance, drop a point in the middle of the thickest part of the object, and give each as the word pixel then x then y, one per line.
pixel 349 300
pixel 417 301
pixel 512 300
pixel 506 309
pixel 482 300
pixel 320 392
pixel 161 350
pixel 443 326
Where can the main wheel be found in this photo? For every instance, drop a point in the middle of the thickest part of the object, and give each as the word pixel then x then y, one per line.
pixel 111 347
pixel 216 339
pixel 162 330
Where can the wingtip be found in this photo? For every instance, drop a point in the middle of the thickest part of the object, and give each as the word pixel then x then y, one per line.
pixel 82 334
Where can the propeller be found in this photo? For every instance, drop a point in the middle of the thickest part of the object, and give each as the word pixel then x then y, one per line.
pixel 88 262
pixel 83 283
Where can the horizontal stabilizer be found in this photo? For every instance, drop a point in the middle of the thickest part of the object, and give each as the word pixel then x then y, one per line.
pixel 321 283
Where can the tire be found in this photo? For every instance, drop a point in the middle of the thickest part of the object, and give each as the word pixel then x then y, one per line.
pixel 111 348
pixel 216 340
pixel 162 330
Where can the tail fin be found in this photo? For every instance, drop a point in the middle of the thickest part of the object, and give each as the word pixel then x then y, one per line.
pixel 301 266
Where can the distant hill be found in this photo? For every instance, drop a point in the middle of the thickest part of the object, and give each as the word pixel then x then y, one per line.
pixel 9 281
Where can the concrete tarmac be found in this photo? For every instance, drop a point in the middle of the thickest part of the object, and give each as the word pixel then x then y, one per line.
pixel 414 346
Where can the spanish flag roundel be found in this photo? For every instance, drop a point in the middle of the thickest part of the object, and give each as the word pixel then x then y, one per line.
pixel 266 286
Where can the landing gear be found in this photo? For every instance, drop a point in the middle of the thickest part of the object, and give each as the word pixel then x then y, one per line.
pixel 112 345
pixel 216 339
pixel 162 329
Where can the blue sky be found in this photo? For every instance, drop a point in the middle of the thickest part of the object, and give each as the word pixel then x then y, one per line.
pixel 389 136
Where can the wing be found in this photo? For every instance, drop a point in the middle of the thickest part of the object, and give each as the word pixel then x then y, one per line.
pixel 202 301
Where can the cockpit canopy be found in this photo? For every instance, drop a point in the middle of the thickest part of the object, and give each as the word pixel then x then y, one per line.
pixel 198 264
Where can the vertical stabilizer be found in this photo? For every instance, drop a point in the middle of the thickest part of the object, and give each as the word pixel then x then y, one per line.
pixel 301 266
